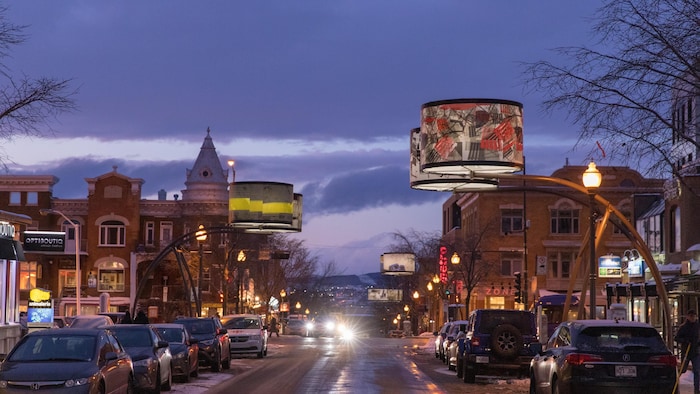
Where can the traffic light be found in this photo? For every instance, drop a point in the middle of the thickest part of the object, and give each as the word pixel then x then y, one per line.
pixel 518 287
pixel 221 296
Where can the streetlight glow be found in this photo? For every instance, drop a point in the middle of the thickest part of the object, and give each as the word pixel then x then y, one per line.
pixel 592 177
pixel 455 259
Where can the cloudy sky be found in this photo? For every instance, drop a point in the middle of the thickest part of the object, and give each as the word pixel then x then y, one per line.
pixel 321 94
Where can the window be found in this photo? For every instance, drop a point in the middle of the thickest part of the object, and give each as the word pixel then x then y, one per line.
pixel 150 233
pixel 675 238
pixel 110 276
pixel 511 220
pixel 27 275
pixel 32 198
pixel 112 233
pixel 564 219
pixel 166 233
pixel 560 264
pixel 206 281
pixel 15 198
pixel 66 282
pixel 509 265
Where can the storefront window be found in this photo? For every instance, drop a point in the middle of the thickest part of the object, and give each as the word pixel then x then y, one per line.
pixel 27 275
pixel 110 276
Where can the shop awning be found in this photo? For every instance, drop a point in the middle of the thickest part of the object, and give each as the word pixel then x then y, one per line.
pixel 11 250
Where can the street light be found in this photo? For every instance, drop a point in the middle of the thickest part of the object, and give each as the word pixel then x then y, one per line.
pixel 201 236
pixel 224 279
pixel 455 260
pixel 591 181
pixel 76 227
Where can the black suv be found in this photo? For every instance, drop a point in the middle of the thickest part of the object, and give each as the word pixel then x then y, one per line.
pixel 497 342
pixel 212 338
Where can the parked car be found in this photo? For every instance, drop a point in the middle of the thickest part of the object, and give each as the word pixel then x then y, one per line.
pixel 247 334
pixel 183 348
pixel 439 338
pixel 90 321
pixel 604 356
pixel 63 360
pixel 115 316
pixel 498 342
pixel 299 327
pixel 149 353
pixel 458 326
pixel 214 343
pixel 61 321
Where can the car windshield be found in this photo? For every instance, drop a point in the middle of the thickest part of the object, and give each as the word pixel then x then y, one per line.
pixel 90 322
pixel 172 335
pixel 55 348
pixel 627 339
pixel 295 323
pixel 492 319
pixel 198 327
pixel 133 338
pixel 242 323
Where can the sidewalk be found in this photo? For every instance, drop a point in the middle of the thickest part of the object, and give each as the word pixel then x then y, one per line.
pixel 686 383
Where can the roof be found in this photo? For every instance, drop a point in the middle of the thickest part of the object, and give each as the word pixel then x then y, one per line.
pixel 608 323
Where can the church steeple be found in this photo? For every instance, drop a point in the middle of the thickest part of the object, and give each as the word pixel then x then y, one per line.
pixel 207 180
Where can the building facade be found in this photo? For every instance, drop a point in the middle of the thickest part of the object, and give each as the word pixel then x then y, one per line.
pixel 537 230
pixel 118 234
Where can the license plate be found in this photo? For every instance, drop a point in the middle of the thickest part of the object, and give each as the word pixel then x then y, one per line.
pixel 482 359
pixel 626 371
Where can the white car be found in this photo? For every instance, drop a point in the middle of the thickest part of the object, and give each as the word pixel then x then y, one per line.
pixel 247 334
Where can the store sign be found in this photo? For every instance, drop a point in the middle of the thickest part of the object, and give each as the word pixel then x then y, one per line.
pixel 635 268
pixel 39 308
pixel 609 266
pixel 44 241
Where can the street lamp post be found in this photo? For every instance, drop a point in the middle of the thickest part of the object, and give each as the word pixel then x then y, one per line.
pixel 76 227
pixel 224 281
pixel 591 180
pixel 201 237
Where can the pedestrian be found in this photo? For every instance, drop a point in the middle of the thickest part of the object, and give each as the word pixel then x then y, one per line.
pixel 688 337
pixel 141 318
pixel 274 329
pixel 126 319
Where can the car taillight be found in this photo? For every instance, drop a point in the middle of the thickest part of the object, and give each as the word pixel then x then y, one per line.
pixel 581 358
pixel 666 359
pixel 475 341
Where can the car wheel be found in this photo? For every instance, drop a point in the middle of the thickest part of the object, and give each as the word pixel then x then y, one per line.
pixel 169 382
pixel 469 375
pixel 555 385
pixel 506 341
pixel 216 362
pixel 130 385
pixel 157 387
pixel 186 376
pixel 459 368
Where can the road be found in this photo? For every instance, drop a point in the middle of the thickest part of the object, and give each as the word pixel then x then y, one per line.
pixel 368 365
pixel 326 365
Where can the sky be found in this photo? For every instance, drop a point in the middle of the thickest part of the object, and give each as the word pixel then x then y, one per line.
pixel 317 93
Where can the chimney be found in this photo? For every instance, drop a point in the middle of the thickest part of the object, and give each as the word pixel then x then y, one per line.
pixel 162 195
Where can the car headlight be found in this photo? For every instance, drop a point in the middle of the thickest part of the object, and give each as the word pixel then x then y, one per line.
pixel 309 326
pixel 330 326
pixel 77 382
pixel 179 356
pixel 3 384
pixel 142 363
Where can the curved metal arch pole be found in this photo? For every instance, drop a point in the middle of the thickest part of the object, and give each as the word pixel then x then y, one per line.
pixel 172 247
pixel 187 276
pixel 642 247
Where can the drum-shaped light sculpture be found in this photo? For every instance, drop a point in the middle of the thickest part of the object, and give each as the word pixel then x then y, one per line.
pixel 463 136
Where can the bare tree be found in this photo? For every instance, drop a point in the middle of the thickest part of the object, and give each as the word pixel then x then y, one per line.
pixel 620 91
pixel 26 103
pixel 473 268
pixel 424 245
